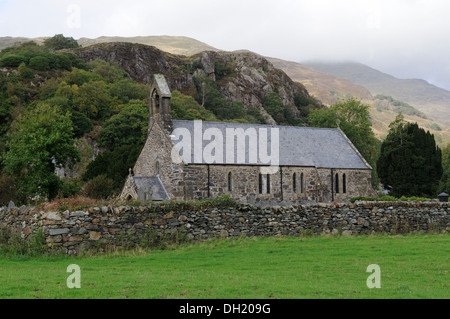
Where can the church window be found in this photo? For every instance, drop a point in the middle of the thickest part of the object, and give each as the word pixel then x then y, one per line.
pixel 229 182
pixel 301 183
pixel 294 183
pixel 268 184
pixel 336 183
pixel 344 184
pixel 155 98
pixel 260 182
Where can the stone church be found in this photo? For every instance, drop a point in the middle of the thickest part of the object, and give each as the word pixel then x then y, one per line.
pixel 193 160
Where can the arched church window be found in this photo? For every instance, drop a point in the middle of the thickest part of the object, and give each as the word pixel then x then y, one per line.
pixel 336 181
pixel 294 182
pixel 344 184
pixel 155 100
pixel 301 183
pixel 260 182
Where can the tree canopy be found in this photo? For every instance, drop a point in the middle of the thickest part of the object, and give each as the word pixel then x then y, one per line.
pixel 410 162
pixel 40 141
pixel 353 118
pixel 444 186
pixel 59 41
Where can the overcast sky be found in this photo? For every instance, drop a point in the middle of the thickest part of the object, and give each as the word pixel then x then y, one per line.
pixel 405 38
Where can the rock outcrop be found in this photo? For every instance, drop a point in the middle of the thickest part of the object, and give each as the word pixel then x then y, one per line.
pixel 241 76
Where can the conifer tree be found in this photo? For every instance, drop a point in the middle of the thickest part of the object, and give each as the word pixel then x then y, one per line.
pixel 410 162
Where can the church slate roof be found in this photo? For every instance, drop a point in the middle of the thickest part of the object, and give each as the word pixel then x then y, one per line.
pixel 159 193
pixel 298 146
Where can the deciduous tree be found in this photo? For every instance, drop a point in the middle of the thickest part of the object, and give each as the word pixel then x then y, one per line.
pixel 353 118
pixel 40 141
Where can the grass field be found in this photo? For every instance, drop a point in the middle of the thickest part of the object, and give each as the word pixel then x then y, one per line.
pixel 412 266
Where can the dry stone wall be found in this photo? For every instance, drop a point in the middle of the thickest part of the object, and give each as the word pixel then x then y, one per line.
pixel 74 231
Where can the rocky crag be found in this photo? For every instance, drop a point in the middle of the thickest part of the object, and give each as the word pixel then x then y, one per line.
pixel 240 76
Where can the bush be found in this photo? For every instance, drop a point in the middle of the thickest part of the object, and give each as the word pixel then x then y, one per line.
pixel 40 63
pixel 8 190
pixel 114 165
pixel 81 124
pixel 12 244
pixel 12 61
pixel 69 187
pixel 74 203
pixel 100 187
pixel 388 198
pixel 59 41
pixel 127 90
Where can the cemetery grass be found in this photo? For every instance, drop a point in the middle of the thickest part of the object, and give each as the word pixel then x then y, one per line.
pixel 319 267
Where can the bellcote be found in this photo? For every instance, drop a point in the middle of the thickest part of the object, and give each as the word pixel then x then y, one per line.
pixel 160 96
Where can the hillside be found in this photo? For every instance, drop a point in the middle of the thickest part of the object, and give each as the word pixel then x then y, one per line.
pixel 427 104
pixel 240 76
pixel 173 44
pixel 330 88
pixel 94 102
pixel 427 98
pixel 10 41
pixel 327 88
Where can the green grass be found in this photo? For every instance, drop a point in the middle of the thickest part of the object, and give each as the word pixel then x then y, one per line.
pixel 412 266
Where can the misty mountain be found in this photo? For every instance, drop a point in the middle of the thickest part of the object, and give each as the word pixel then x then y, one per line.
pixel 427 98
pixel 330 88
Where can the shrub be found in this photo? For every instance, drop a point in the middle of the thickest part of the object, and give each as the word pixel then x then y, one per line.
pixel 387 198
pixel 100 187
pixel 12 60
pixel 8 190
pixel 59 41
pixel 114 165
pixel 74 203
pixel 69 187
pixel 12 244
pixel 40 63
pixel 81 124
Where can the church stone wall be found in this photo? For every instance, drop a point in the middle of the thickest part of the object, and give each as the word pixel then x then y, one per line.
pixel 245 183
pixel 155 158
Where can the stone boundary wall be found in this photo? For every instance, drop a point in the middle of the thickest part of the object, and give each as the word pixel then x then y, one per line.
pixel 75 231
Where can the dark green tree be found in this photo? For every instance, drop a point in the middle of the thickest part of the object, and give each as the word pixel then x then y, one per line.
pixel 210 97
pixel 273 104
pixel 305 104
pixel 59 42
pixel 410 162
pixel 126 128
pixel 185 107
pixel 114 164
pixel 444 186
pixel 81 124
